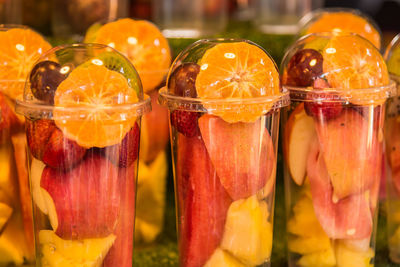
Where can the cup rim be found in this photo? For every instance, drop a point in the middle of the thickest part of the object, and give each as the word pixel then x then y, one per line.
pixel 208 105
pixel 366 95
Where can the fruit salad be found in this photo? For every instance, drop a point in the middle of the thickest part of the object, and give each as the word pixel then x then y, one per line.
pixel 341 20
pixel 333 148
pixel 224 98
pixel 147 49
pixel 392 137
pixel 82 105
pixel 19 49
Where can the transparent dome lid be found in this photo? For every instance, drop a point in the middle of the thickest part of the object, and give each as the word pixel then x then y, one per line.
pixel 82 79
pixel 347 65
pixel 138 40
pixel 341 20
pixel 20 47
pixel 219 74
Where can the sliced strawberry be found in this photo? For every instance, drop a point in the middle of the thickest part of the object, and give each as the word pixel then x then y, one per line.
pixel 203 203
pixel 323 110
pixel 38 133
pixel 185 122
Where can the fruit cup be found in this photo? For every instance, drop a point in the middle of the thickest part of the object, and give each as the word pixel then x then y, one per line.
pixel 333 148
pixel 83 104
pixel 341 20
pixel 392 138
pixel 19 49
pixel 224 100
pixel 147 49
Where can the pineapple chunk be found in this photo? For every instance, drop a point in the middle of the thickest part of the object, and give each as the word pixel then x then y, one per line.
pixel 248 234
pixel 348 257
pixel 221 258
pixel 73 253
pixel 306 245
pixel 5 214
pixel 325 258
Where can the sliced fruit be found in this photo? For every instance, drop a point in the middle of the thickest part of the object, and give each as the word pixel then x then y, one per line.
pixel 347 218
pixel 8 120
pixel 19 49
pixel 182 81
pixel 242 153
pixel 352 63
pixel 307 245
pixel 235 71
pixel 86 199
pixel 323 109
pixel 10 253
pixel 248 232
pixel 8 179
pixel 151 192
pixel 68 253
pixel 203 203
pixel 346 22
pixel 351 152
pixel 298 135
pixel 348 257
pixel 37 168
pixel 221 258
pixel 185 122
pixel 325 258
pixel 393 62
pixel 143 44
pixel 5 214
pixel 90 88
pixel 38 133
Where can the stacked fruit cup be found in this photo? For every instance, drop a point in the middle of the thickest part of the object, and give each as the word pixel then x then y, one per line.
pixel 82 105
pixel 333 148
pixel 224 99
pixel 19 49
pixel 147 49
pixel 392 137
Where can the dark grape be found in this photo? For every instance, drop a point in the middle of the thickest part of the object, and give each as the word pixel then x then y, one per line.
pixel 303 68
pixel 45 78
pixel 183 79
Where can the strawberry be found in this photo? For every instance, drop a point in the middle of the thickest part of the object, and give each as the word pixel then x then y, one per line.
pixel 125 153
pixel 185 122
pixel 38 133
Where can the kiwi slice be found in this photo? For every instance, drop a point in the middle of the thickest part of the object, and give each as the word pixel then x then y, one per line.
pixel 393 63
pixel 91 33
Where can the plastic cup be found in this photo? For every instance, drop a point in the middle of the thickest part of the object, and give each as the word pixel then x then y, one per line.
pixel 333 149
pixel 224 161
pixel 16 225
pixel 83 107
pixel 392 167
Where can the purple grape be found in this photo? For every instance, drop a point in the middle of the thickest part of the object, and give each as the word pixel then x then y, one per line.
pixel 183 79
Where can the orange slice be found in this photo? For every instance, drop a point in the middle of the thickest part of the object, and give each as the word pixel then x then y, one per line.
pixel 92 89
pixel 237 71
pixel 19 49
pixel 352 63
pixel 346 22
pixel 143 44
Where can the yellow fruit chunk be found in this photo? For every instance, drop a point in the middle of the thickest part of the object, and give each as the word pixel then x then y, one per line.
pixel 5 214
pixel 394 240
pixel 348 257
pixel 37 168
pixel 151 196
pixel 8 175
pixel 68 253
pixel 324 258
pixel 10 252
pixel 248 234
pixel 221 258
pixel 306 245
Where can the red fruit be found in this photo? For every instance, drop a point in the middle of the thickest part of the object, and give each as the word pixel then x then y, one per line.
pixel 185 122
pixel 86 198
pixel 303 68
pixel 38 133
pixel 183 80
pixel 242 153
pixel 8 119
pixel 326 109
pixel 125 153
pixel 203 203
pixel 347 218
pixel 121 252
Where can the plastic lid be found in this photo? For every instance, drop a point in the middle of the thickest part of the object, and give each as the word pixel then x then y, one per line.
pixel 347 66
pixel 78 81
pixel 341 20
pixel 222 76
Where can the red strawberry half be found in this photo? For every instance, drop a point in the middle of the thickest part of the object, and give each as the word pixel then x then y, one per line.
pixel 185 122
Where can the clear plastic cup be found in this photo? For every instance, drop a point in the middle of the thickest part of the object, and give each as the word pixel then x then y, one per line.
pixel 143 44
pixel 392 138
pixel 19 50
pixel 333 148
pixel 224 151
pixel 341 20
pixel 83 105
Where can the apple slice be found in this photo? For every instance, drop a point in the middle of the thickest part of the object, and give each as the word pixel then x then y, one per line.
pixel 298 135
pixel 86 199
pixel 348 218
pixel 243 154
pixel 203 202
pixel 352 152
